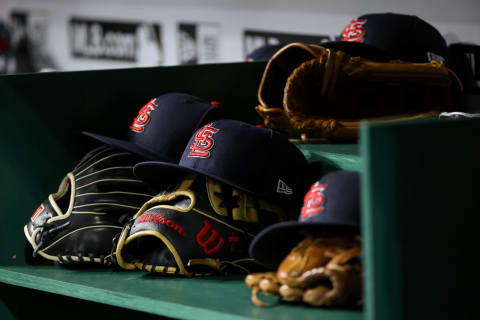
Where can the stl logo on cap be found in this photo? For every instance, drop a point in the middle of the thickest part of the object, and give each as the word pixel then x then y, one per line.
pixel 313 201
pixel 354 32
pixel 143 116
pixel 203 142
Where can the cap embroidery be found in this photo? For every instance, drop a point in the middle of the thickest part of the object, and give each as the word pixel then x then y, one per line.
pixel 313 201
pixel 143 116
pixel 433 56
pixel 354 31
pixel 203 142
pixel 282 187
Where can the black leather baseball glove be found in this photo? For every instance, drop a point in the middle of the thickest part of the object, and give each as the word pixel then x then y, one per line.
pixel 77 224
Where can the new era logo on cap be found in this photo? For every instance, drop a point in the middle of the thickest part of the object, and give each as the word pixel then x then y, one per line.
pixel 256 160
pixel 283 188
pixel 433 56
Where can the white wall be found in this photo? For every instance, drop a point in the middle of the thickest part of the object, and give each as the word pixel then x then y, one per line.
pixel 458 21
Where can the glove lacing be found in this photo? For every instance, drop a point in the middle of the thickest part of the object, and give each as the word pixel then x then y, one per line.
pixel 113 255
pixel 47 231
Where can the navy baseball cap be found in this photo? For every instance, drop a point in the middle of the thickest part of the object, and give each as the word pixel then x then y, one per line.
pixel 387 36
pixel 264 53
pixel 163 126
pixel 256 160
pixel 331 205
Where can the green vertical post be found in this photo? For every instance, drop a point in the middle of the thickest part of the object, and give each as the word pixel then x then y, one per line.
pixel 420 208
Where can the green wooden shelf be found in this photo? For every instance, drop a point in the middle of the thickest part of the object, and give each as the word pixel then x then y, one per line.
pixel 219 297
pixel 333 156
pixel 419 203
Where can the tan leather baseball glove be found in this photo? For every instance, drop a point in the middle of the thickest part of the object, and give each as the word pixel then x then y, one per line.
pixel 322 272
pixel 313 92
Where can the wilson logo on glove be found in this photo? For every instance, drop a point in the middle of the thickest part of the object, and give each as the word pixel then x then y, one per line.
pixel 143 116
pixel 203 142
pixel 37 212
pixel 160 218
pixel 354 32
pixel 313 201
pixel 206 242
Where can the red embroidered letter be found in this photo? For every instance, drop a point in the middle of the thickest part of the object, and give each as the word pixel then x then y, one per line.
pixel 354 32
pixel 203 142
pixel 143 116
pixel 312 203
pixel 233 239
pixel 214 236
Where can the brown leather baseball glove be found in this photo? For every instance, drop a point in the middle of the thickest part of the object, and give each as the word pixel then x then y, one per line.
pixel 322 272
pixel 314 92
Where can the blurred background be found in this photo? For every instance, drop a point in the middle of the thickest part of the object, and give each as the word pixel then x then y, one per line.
pixel 66 35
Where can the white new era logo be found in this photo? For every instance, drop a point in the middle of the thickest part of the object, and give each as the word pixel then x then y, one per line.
pixel 283 188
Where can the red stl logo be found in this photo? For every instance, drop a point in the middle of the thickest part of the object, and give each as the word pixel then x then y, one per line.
pixel 354 32
pixel 143 116
pixel 203 142
pixel 312 203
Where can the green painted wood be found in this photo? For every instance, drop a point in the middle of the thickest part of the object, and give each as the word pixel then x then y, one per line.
pixel 25 303
pixel 420 219
pixel 333 156
pixel 225 297
pixel 5 312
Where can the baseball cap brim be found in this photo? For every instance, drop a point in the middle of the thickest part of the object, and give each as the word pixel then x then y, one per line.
pixel 275 242
pixel 360 49
pixel 127 146
pixel 152 171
